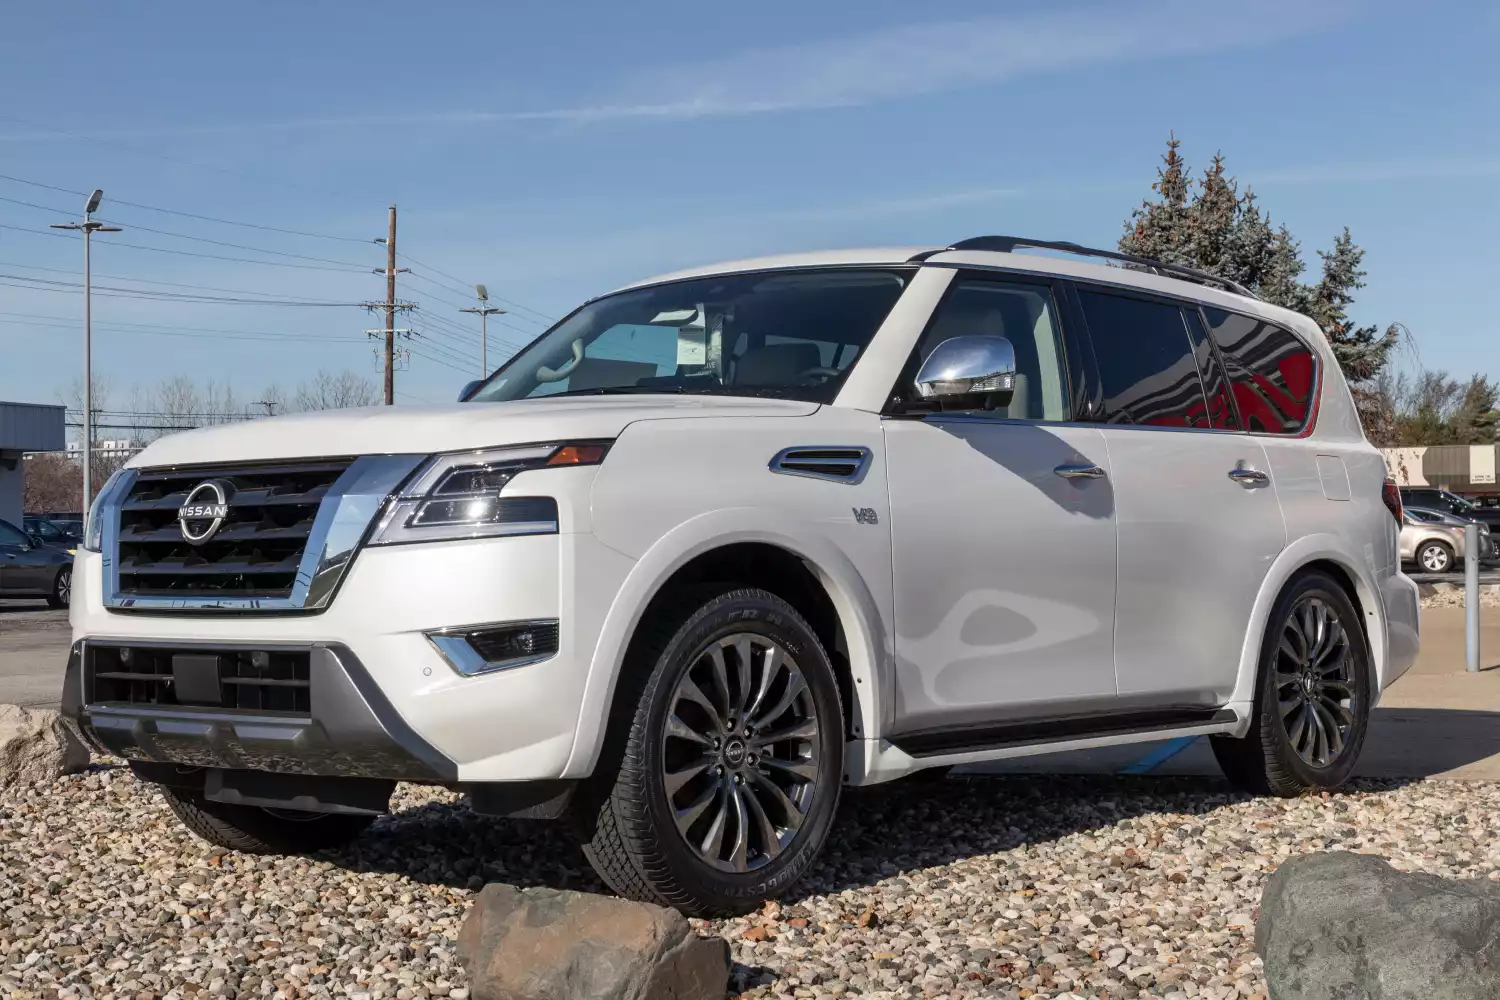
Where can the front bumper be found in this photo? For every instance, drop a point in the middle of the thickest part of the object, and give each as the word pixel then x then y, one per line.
pixel 350 731
pixel 509 725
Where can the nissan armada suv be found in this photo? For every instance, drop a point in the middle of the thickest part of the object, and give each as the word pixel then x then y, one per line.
pixel 721 542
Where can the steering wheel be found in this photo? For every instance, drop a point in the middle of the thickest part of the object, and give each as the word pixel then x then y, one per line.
pixel 818 370
pixel 545 374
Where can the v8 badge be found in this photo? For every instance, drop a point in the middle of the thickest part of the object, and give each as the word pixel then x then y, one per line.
pixel 865 515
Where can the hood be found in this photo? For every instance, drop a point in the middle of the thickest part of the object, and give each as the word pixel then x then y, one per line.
pixel 384 430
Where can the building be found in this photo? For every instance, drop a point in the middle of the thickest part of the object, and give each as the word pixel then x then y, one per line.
pixel 1461 468
pixel 24 427
pixel 121 448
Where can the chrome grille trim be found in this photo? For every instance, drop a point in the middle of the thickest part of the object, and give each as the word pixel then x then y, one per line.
pixel 345 512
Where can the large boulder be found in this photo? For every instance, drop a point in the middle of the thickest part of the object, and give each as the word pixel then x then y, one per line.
pixel 1341 926
pixel 549 944
pixel 35 748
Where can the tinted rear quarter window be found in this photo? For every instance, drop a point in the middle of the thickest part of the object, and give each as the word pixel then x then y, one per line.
pixel 1273 374
pixel 1145 361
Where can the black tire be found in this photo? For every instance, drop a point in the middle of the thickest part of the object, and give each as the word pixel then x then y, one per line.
pixel 1266 761
pixel 254 830
pixel 1442 556
pixel 625 815
pixel 62 588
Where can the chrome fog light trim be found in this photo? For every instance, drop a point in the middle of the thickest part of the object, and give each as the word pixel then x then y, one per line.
pixel 480 649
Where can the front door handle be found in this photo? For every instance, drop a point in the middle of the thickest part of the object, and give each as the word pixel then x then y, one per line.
pixel 1249 477
pixel 1079 471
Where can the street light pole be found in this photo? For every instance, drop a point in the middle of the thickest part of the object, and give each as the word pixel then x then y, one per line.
pixel 484 311
pixel 88 227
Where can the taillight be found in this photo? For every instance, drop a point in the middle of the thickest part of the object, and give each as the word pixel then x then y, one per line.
pixel 1391 494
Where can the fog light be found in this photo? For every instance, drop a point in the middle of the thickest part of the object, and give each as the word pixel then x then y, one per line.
pixel 478 649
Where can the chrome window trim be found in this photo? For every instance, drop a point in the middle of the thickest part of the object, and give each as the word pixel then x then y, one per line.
pixel 343 520
pixel 464 659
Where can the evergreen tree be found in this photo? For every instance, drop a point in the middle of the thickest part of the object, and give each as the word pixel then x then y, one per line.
pixel 1159 229
pixel 1226 233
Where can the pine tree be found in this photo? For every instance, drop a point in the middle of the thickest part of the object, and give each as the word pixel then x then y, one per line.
pixel 1159 229
pixel 1361 350
pixel 1226 233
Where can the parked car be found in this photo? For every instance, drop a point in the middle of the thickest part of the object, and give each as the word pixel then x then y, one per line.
pixel 60 533
pixel 721 542
pixel 31 567
pixel 1435 540
pixel 1430 498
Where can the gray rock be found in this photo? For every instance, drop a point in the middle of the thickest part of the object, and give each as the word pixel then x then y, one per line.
pixel 35 748
pixel 549 944
pixel 1342 926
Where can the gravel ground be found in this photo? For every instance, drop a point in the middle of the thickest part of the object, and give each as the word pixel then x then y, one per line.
pixel 1489 597
pixel 986 887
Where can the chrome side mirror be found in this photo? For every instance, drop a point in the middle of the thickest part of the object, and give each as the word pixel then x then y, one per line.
pixel 980 369
pixel 468 389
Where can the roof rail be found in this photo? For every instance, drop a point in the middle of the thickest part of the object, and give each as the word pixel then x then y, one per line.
pixel 1009 244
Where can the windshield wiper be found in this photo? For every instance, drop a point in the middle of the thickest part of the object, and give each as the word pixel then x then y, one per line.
pixel 616 390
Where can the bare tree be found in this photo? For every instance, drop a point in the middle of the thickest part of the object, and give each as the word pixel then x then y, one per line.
pixel 50 482
pixel 327 391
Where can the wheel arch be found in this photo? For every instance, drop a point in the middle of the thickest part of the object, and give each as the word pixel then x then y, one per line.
pixel 803 568
pixel 1316 553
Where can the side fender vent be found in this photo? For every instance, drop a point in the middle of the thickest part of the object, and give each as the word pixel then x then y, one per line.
pixel 842 464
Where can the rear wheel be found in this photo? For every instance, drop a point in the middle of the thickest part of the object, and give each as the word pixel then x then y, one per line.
pixel 722 773
pixel 1435 557
pixel 255 830
pixel 1312 702
pixel 62 588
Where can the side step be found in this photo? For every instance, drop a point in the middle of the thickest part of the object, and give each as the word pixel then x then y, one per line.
pixel 1040 732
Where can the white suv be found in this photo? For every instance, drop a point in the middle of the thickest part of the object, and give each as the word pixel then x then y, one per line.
pixel 720 542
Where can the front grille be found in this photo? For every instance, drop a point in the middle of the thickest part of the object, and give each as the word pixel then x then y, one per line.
pixel 256 551
pixel 256 680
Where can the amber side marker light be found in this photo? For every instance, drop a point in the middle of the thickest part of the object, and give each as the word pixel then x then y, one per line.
pixel 579 454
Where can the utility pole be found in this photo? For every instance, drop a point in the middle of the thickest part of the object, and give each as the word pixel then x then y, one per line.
pixel 88 227
pixel 390 312
pixel 485 311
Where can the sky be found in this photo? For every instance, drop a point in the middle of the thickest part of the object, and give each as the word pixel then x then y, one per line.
pixel 554 151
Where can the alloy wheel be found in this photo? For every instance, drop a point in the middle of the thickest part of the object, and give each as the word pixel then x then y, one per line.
pixel 740 752
pixel 65 587
pixel 1315 686
pixel 1435 559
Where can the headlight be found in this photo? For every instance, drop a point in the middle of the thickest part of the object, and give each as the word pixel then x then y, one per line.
pixel 458 496
pixel 93 527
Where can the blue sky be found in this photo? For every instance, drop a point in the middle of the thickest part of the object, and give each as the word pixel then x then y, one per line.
pixel 556 150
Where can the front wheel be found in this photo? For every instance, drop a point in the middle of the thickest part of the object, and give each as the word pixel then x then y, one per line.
pixel 62 588
pixel 1312 700
pixel 722 772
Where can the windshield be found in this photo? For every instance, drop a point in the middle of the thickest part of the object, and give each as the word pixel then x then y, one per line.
pixel 790 334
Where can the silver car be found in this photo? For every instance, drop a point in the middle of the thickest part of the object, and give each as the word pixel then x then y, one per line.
pixel 1434 540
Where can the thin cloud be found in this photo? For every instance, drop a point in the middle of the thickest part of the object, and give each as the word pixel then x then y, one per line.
pixel 875 67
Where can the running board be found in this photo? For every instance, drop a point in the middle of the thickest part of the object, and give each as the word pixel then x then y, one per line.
pixel 1041 732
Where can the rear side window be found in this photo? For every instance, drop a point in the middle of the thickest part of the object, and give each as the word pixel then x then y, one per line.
pixel 1221 415
pixel 1272 373
pixel 1145 360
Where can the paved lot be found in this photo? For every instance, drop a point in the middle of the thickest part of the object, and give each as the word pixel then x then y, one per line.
pixel 33 652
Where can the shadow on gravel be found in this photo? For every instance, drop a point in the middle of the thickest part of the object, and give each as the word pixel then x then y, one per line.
pixel 881 832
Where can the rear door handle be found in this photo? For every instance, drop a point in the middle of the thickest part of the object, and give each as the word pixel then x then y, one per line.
pixel 1249 477
pixel 1079 471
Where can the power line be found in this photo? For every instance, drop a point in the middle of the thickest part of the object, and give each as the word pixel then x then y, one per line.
pixel 192 253
pixel 112 291
pixel 153 281
pixel 514 305
pixel 186 332
pixel 189 215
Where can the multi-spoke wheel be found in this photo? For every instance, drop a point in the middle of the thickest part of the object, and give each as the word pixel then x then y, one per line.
pixel 740 755
pixel 62 588
pixel 1435 557
pixel 729 757
pixel 1312 700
